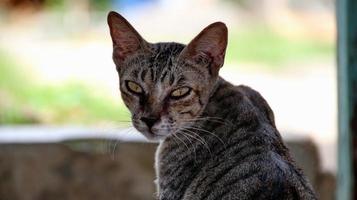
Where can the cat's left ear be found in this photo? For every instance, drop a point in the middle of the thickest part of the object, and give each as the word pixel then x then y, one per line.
pixel 209 46
pixel 126 40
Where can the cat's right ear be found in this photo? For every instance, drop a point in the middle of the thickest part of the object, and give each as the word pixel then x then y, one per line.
pixel 126 40
pixel 209 45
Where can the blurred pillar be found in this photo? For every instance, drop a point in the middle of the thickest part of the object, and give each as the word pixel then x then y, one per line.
pixel 347 99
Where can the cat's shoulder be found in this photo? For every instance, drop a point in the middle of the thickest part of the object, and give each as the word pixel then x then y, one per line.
pixel 257 100
pixel 246 90
pixel 254 96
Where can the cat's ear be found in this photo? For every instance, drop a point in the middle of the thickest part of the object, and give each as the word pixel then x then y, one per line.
pixel 210 46
pixel 126 40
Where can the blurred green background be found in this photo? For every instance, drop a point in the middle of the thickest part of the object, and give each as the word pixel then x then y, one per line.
pixel 26 100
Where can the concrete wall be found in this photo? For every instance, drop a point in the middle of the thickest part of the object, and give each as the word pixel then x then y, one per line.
pixel 96 170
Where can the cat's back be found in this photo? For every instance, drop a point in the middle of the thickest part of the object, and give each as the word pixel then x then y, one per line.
pixel 264 175
pixel 249 170
pixel 254 163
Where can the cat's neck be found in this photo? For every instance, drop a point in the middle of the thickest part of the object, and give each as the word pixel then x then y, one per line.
pixel 217 96
pixel 225 103
pixel 238 104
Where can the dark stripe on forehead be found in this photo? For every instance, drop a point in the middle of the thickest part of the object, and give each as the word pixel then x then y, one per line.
pixel 152 74
pixel 159 63
pixel 143 73
pixel 172 78
pixel 135 73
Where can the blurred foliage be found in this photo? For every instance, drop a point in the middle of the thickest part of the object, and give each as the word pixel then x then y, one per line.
pixel 61 4
pixel 100 4
pixel 55 4
pixel 24 101
pixel 263 45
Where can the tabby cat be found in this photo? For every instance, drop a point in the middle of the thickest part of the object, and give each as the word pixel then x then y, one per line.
pixel 217 140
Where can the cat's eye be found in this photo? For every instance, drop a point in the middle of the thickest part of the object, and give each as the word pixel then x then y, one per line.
pixel 134 87
pixel 180 92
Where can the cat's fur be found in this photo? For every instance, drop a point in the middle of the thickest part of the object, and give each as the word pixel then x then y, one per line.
pixel 217 142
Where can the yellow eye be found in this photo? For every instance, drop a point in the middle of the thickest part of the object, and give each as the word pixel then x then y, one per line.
pixel 134 87
pixel 181 92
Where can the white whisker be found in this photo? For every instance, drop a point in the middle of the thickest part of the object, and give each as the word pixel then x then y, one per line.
pixel 198 138
pixel 181 140
pixel 194 149
pixel 200 129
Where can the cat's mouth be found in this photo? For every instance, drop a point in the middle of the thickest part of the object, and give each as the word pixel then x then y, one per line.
pixel 154 134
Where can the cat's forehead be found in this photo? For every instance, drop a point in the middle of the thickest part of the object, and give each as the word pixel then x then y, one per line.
pixel 155 65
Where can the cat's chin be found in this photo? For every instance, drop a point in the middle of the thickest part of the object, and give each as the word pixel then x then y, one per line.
pixel 153 136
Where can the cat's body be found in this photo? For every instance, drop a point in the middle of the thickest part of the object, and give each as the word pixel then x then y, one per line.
pixel 247 161
pixel 218 141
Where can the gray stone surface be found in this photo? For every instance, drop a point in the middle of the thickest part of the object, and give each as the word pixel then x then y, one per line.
pixel 107 170
pixel 55 172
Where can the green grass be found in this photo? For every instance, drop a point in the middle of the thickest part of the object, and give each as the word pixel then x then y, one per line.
pixel 75 103
pixel 24 101
pixel 262 45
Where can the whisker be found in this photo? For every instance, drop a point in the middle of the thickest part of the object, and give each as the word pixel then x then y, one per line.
pixel 174 138
pixel 116 142
pixel 181 140
pixel 114 148
pixel 202 140
pixel 200 129
pixel 194 149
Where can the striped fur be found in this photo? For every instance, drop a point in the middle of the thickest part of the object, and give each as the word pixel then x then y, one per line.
pixel 217 142
pixel 248 161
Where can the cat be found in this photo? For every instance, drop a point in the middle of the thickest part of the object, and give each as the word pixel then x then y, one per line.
pixel 217 140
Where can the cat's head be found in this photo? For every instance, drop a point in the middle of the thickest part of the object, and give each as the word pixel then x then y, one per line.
pixel 166 86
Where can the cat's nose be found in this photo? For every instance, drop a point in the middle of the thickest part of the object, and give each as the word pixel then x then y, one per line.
pixel 149 121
